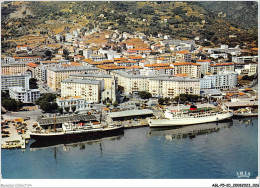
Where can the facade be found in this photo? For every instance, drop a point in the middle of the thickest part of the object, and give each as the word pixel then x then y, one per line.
pixel 79 102
pixel 24 95
pixel 183 55
pixel 13 68
pixel 205 83
pixel 191 69
pixel 108 79
pixel 173 87
pixel 40 73
pixel 252 68
pixel 216 56
pixel 87 89
pixel 205 66
pixel 15 81
pixel 217 68
pixel 28 59
pixel 223 80
pixel 129 82
pixel 56 74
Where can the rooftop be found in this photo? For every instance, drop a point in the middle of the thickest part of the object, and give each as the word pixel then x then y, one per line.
pixel 92 75
pixel 65 119
pixel 186 63
pixel 72 68
pixel 80 81
pixel 130 113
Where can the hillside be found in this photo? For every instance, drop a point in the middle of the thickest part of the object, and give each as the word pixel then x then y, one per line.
pixel 242 13
pixel 177 19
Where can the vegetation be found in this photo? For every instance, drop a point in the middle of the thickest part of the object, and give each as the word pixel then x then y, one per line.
pixel 178 19
pixel 60 110
pixel 182 98
pixel 46 102
pixel 246 77
pixel 145 94
pixel 73 108
pixel 10 104
pixel 67 109
pixel 115 103
pixel 33 83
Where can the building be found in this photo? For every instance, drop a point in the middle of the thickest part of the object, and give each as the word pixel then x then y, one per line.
pixel 172 87
pixel 23 94
pixel 106 77
pixel 191 69
pixel 87 53
pixel 78 102
pixel 224 49
pixel 13 68
pixel 90 90
pixel 28 59
pixel 183 55
pixel 15 81
pixel 56 74
pixel 252 68
pixel 40 73
pixel 244 59
pixel 216 56
pixel 223 80
pixel 131 82
pixel 205 83
pixel 21 48
pixel 205 65
pixel 216 68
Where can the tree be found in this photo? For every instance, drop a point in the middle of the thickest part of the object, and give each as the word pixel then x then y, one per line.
pixel 33 83
pixel 73 108
pixel 54 106
pixel 161 101
pixel 115 103
pixel 145 94
pixel 67 109
pixel 60 110
pixel 108 104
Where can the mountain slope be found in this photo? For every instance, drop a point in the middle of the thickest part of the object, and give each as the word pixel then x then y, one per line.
pixel 241 13
pixel 178 19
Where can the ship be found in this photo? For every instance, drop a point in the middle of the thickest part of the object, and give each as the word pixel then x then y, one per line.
pixel 246 112
pixel 190 117
pixel 72 131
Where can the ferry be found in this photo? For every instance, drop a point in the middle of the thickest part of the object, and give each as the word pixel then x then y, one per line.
pixel 182 118
pixel 76 131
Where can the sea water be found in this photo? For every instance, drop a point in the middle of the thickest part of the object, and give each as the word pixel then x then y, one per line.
pixel 143 153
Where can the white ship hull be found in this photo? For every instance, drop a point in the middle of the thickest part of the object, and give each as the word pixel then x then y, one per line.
pixel 188 120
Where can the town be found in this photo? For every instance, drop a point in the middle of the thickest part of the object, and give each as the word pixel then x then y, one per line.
pixel 119 76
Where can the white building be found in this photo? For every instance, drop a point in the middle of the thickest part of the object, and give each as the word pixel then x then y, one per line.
pixel 172 87
pixel 205 83
pixel 252 68
pixel 90 90
pixel 244 59
pixel 15 81
pixel 87 53
pixel 24 95
pixel 225 79
pixel 205 66
pixel 216 56
pixel 79 102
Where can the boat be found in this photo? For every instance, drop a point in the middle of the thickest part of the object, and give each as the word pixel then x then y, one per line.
pixel 190 117
pixel 246 112
pixel 72 131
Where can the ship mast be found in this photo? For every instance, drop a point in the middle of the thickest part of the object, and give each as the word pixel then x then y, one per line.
pixel 54 127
